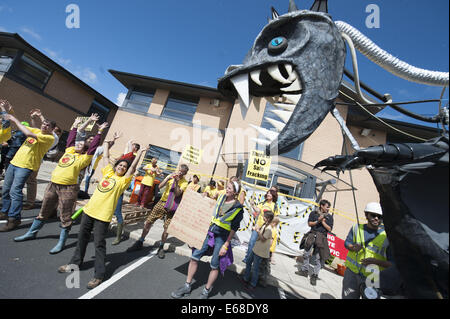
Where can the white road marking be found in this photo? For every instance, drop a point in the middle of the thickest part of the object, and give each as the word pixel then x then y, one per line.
pixel 94 292
pixel 23 220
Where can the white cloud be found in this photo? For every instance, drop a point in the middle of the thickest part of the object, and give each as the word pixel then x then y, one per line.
pixel 56 56
pixel 31 33
pixel 87 75
pixel 120 98
pixel 391 116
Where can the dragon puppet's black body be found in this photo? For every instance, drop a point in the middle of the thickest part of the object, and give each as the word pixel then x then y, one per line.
pixel 297 62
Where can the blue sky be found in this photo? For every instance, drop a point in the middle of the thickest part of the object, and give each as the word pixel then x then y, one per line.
pixel 194 41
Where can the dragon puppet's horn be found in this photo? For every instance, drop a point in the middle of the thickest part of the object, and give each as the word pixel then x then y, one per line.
pixel 292 6
pixel 275 14
pixel 320 6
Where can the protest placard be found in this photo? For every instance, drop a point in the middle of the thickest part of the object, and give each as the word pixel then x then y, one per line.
pixel 258 166
pixel 83 119
pixel 192 219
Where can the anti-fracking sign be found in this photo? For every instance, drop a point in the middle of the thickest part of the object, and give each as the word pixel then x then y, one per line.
pixel 258 166
pixel 192 154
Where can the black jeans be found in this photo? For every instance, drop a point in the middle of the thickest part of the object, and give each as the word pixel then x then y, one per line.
pixel 100 230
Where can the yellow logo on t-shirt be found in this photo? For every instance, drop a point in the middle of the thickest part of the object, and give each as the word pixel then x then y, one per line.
pixel 66 160
pixel 106 184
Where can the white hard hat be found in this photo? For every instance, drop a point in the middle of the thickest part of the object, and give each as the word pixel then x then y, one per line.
pixel 373 207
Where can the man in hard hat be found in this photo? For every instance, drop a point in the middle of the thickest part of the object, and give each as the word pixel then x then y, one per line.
pixel 368 254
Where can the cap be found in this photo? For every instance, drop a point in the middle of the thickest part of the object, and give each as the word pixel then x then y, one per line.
pixel 373 207
pixel 25 123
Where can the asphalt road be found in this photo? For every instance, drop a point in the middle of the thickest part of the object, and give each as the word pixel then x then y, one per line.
pixel 27 270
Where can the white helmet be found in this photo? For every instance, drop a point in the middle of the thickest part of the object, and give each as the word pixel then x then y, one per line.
pixel 373 207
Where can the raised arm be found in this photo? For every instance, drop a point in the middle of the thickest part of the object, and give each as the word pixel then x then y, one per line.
pixel 133 166
pixel 21 127
pixel 94 117
pixel 96 141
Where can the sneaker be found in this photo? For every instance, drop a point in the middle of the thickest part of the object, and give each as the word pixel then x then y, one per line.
pixel 313 280
pixel 182 291
pixel 303 273
pixel 65 269
pixel 135 247
pixel 205 293
pixel 161 254
pixel 94 283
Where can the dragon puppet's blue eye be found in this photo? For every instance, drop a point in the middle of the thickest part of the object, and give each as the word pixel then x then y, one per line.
pixel 277 45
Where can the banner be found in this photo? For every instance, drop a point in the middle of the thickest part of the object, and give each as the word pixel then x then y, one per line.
pixel 293 225
pixel 192 154
pixel 192 219
pixel 258 166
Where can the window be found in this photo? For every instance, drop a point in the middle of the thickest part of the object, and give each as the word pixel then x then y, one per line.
pixel 295 153
pixel 101 110
pixel 31 71
pixel 166 158
pixel 181 108
pixel 139 101
pixel 6 58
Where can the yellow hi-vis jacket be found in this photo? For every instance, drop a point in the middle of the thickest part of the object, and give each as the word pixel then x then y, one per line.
pixel 375 249
pixel 225 220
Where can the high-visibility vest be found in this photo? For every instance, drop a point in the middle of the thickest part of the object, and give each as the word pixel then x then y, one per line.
pixel 374 249
pixel 225 220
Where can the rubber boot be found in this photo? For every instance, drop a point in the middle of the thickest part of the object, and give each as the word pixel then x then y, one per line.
pixel 62 241
pixel 32 232
pixel 118 234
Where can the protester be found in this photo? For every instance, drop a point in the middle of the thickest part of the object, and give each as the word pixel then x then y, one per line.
pixel 227 216
pixel 27 159
pixel 242 193
pixel 53 151
pixel 177 184
pixel 265 266
pixel 220 189
pixel 5 131
pixel 269 204
pixel 129 154
pixel 62 191
pixel 151 171
pixel 98 213
pixel 13 144
pixel 32 179
pixel 211 190
pixel 367 245
pixel 260 250
pixel 194 184
pixel 315 241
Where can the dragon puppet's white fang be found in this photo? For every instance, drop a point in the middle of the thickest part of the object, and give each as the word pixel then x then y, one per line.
pixel 297 63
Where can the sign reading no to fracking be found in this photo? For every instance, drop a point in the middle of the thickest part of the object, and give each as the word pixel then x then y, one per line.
pixel 192 154
pixel 258 166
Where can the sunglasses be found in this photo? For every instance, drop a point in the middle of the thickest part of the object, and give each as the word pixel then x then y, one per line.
pixel 376 216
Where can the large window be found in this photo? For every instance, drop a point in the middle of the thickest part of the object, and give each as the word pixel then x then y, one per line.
pixel 31 71
pixel 180 107
pixel 295 153
pixel 167 159
pixel 101 110
pixel 139 101
pixel 6 58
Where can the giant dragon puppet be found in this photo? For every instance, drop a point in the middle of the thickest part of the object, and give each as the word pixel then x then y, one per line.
pixel 297 63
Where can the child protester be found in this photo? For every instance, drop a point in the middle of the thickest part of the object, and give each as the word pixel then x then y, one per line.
pixel 98 213
pixel 260 250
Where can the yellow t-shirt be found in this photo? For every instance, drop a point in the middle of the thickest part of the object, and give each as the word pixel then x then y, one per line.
pixel 262 206
pixel 149 177
pixel 103 202
pixel 274 239
pixel 32 151
pixel 194 187
pixel 5 134
pixel 182 183
pixel 69 167
pixel 211 192
pixel 97 160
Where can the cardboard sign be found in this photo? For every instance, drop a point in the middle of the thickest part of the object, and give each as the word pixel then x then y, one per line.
pixel 191 221
pixel 258 166
pixel 192 154
pixel 83 120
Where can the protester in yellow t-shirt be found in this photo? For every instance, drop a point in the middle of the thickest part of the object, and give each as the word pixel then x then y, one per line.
pixel 151 171
pixel 211 190
pixel 62 191
pixel 220 189
pixel 194 185
pixel 5 130
pixel 270 204
pixel 160 212
pixel 99 210
pixel 26 160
